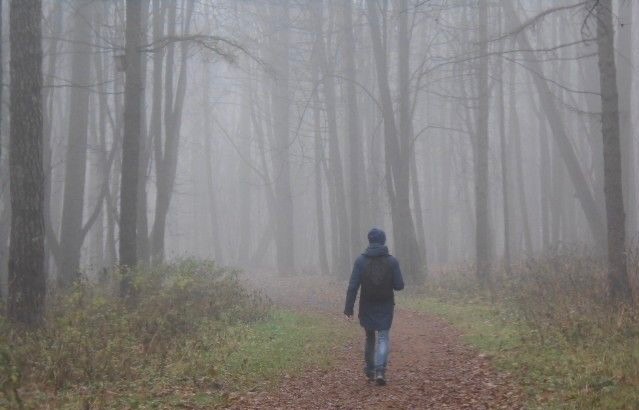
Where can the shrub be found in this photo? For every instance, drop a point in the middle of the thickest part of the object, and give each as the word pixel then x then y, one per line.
pixel 92 339
pixel 551 325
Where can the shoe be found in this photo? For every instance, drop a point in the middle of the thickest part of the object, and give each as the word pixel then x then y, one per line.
pixel 379 378
pixel 369 371
pixel 370 375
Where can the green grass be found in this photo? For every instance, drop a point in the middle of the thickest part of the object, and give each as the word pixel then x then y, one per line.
pixel 210 368
pixel 192 337
pixel 286 344
pixel 597 368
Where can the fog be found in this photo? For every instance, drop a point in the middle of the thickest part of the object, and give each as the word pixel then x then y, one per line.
pixel 274 134
pixel 195 193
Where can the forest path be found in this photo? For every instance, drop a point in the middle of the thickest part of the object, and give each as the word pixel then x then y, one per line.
pixel 429 367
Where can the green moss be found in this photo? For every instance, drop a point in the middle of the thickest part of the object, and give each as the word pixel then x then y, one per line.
pixel 597 369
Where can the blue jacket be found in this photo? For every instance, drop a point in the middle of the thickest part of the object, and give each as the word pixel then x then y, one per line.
pixel 372 316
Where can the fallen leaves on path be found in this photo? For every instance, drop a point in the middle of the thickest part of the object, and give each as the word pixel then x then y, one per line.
pixel 430 368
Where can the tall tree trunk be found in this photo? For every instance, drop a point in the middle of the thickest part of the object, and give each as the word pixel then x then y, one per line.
pixel 166 162
pixel 213 210
pixel 1 88
pixel 108 173
pixel 118 137
pixel 4 223
pixel 99 171
pixel 545 180
pixel 76 158
pixel 245 194
pixel 357 182
pixel 625 85
pixel 515 134
pixel 417 204
pixel 505 169
pixel 340 209
pixel 284 212
pixel 619 284
pixel 27 277
pixel 483 239
pixel 267 237
pixel 319 160
pixel 211 172
pixel 444 219
pixel 51 249
pixel 155 123
pixel 131 142
pixel 406 131
pixel 145 156
pixel 163 147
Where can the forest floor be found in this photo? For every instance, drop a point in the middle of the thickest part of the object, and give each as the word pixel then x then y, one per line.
pixel 430 366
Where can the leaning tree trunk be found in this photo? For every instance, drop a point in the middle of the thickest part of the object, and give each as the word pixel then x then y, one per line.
pixel 579 181
pixel 619 285
pixel 131 142
pixel 27 278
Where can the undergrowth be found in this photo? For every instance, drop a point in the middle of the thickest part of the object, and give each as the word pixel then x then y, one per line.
pixel 549 325
pixel 192 338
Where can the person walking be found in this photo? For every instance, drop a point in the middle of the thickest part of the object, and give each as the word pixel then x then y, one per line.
pixel 378 274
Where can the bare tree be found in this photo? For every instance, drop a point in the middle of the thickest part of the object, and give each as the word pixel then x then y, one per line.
pixel 131 141
pixel 71 237
pixel 580 183
pixel 397 160
pixel 27 277
pixel 483 238
pixel 166 151
pixel 505 168
pixel 619 285
pixel 319 164
pixel 625 82
pixel 357 182
pixel 339 207
pixel 279 60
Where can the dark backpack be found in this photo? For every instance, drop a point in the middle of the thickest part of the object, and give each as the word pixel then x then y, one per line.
pixel 377 280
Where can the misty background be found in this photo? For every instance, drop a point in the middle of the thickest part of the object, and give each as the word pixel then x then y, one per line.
pixel 275 133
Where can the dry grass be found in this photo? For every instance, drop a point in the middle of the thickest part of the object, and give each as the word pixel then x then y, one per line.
pixel 96 349
pixel 551 326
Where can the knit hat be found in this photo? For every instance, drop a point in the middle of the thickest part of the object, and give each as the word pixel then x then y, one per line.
pixel 376 236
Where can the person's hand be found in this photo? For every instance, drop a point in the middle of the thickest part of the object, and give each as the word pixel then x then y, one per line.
pixel 349 317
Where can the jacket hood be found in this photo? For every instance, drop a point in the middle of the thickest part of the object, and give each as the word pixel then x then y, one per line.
pixel 376 249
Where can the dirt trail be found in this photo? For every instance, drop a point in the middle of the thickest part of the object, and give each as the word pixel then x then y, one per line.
pixel 429 368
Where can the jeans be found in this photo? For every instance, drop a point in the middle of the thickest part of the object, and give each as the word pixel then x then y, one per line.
pixel 376 354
